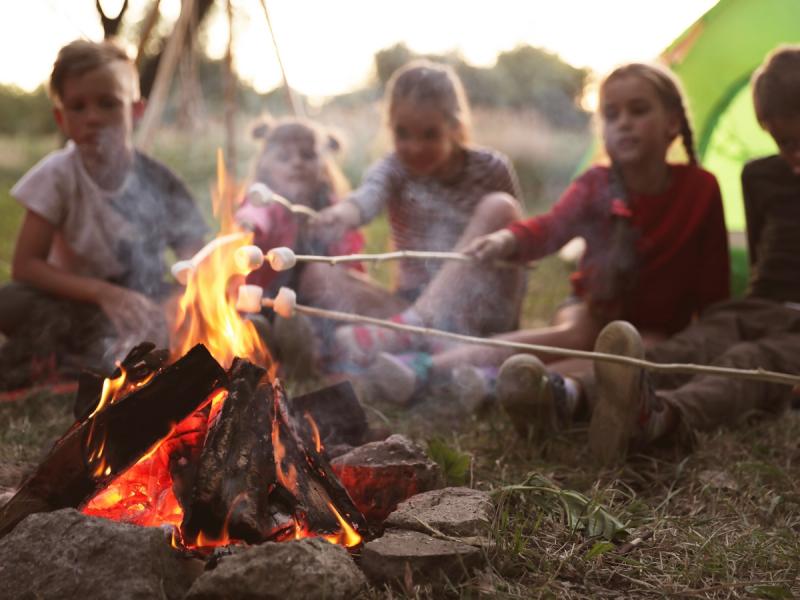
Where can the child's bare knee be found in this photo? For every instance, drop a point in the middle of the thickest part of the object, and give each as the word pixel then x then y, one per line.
pixel 499 208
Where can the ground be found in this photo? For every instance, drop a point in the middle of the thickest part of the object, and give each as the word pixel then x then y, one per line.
pixel 721 521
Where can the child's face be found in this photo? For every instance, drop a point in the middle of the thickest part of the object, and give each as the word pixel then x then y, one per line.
pixel 786 133
pixel 637 128
pixel 424 139
pixel 97 109
pixel 293 168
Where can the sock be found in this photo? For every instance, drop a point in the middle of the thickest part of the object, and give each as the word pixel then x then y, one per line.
pixel 572 396
pixel 420 363
pixel 374 339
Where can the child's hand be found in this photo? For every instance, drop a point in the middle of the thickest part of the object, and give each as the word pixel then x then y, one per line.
pixel 333 222
pixel 132 314
pixel 494 246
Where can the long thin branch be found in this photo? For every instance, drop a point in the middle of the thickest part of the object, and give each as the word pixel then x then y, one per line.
pixel 405 254
pixel 752 374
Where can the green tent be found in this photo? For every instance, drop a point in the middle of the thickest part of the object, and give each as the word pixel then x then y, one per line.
pixel 715 58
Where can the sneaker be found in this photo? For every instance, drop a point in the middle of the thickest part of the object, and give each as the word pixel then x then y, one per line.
pixel 623 395
pixel 471 385
pixel 533 397
pixel 394 379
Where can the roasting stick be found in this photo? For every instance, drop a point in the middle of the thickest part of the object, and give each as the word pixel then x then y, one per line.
pixel 260 194
pixel 251 299
pixel 250 258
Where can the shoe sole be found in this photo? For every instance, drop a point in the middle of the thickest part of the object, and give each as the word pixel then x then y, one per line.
pixel 618 388
pixel 523 393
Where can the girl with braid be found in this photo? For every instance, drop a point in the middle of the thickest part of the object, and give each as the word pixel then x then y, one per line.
pixel 656 244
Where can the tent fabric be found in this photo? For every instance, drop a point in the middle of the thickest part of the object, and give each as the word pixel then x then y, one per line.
pixel 715 58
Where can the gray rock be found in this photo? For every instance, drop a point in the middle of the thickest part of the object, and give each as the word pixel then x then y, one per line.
pixel 309 568
pixel 65 554
pixel 380 475
pixel 454 511
pixel 400 554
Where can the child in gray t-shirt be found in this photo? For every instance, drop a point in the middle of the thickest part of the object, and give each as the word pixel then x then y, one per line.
pixel 88 266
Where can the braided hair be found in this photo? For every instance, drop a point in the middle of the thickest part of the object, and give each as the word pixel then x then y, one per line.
pixel 609 297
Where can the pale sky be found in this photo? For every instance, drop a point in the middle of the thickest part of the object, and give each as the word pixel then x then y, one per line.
pixel 327 46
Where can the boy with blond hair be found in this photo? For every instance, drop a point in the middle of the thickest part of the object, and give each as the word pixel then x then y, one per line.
pixel 88 266
pixel 631 408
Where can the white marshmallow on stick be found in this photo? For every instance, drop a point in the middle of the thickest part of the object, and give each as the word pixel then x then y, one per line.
pixel 250 299
pixel 261 194
pixel 182 269
pixel 283 258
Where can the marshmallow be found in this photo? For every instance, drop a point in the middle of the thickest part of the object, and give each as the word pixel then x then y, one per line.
pixel 249 298
pixel 285 303
pixel 181 271
pixel 248 259
pixel 260 194
pixel 281 259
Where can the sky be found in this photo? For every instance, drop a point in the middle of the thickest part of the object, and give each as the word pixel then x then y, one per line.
pixel 327 46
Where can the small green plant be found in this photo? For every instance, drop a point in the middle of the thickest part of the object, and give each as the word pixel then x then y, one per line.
pixel 454 463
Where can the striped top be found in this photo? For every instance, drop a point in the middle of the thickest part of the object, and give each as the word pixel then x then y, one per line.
pixel 428 213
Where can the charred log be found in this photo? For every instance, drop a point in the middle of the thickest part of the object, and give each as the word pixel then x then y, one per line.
pixel 336 413
pixel 260 476
pixel 67 477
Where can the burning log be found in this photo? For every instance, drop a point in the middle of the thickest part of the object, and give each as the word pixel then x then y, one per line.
pixel 113 437
pixel 260 476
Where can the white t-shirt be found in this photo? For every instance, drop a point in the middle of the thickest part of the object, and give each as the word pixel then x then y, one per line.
pixel 118 235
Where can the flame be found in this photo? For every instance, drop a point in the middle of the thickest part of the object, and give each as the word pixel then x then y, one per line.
pixel 314 431
pixel 207 311
pixel 347 537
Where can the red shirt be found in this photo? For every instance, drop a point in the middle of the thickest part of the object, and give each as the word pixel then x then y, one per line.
pixel 682 243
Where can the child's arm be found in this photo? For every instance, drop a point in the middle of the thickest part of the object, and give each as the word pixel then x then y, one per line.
pixel 127 310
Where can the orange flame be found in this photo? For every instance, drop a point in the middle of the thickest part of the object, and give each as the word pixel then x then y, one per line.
pixel 314 431
pixel 207 311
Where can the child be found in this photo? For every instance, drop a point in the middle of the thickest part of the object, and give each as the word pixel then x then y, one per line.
pixel 295 162
pixel 760 331
pixel 88 266
pixel 440 192
pixel 656 245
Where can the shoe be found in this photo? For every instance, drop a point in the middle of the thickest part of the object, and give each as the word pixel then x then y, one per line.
pixel 533 397
pixel 471 385
pixel 394 379
pixel 623 393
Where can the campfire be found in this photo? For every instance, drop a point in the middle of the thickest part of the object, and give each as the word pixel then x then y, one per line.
pixel 201 438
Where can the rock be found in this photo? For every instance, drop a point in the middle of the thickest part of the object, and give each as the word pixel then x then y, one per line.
pixel 308 568
pixel 380 475
pixel 454 511
pixel 400 554
pixel 65 554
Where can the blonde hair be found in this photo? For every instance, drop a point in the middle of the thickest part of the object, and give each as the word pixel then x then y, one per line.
pixel 288 129
pixel 81 56
pixel 433 84
pixel 776 85
pixel 669 91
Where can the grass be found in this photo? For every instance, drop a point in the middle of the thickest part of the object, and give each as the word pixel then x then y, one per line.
pixel 720 522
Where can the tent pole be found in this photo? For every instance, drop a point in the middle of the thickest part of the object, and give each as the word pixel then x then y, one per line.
pixel 295 105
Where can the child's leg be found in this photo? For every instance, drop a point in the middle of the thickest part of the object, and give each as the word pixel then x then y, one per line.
pixel 573 327
pixel 17 302
pixel 475 298
pixel 707 402
pixel 463 297
pixel 340 288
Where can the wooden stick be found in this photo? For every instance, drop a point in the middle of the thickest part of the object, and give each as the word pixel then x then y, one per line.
pixel 406 254
pixel 752 374
pixel 294 104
